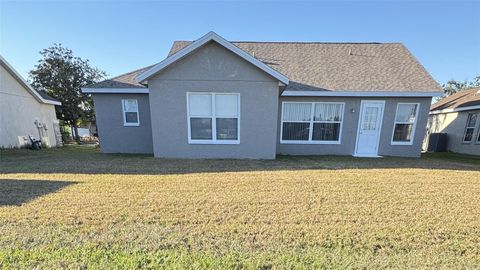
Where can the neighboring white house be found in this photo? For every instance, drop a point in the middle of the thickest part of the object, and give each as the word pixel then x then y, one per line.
pixel 24 111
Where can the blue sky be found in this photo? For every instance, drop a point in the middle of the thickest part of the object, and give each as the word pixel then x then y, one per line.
pixel 121 36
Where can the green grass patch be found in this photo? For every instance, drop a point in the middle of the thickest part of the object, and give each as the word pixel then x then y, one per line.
pixel 77 208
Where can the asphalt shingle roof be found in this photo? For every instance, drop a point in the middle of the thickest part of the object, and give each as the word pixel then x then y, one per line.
pixel 46 96
pixel 321 66
pixel 464 98
pixel 126 80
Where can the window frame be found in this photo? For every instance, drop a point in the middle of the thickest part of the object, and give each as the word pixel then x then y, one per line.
pixel 125 123
pixel 414 124
pixel 311 122
pixel 214 118
pixel 473 132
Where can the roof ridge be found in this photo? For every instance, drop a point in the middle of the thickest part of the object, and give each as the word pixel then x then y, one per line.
pixel 303 42
pixel 124 74
pixel 458 99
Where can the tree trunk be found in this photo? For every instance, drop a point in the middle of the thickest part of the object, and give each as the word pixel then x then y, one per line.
pixel 72 132
pixel 75 136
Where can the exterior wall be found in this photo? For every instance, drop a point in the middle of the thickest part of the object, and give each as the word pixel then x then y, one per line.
pixel 213 68
pixel 454 125
pixel 113 135
pixel 350 126
pixel 18 112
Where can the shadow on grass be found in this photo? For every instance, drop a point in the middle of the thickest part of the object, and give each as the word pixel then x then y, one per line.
pixel 88 160
pixel 18 192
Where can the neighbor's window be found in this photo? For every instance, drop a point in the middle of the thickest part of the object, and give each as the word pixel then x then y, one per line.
pixel 405 120
pixel 213 117
pixel 311 122
pixel 471 121
pixel 130 112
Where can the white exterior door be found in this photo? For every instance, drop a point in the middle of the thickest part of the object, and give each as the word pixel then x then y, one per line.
pixel 370 125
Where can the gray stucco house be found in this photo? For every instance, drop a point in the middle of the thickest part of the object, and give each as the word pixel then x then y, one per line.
pixel 212 98
pixel 458 116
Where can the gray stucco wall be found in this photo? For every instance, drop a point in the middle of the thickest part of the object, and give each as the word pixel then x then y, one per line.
pixel 113 135
pixel 213 68
pixel 454 125
pixel 18 112
pixel 350 125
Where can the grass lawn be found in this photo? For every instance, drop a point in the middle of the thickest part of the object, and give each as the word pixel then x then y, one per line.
pixel 77 208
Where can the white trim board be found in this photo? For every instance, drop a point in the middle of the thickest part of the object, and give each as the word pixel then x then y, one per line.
pixel 202 41
pixel 359 94
pixel 115 90
pixel 25 84
pixel 460 109
pixel 367 156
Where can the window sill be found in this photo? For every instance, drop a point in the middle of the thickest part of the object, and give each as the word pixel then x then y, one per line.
pixel 309 142
pixel 367 156
pixel 212 142
pixel 402 143
pixel 131 125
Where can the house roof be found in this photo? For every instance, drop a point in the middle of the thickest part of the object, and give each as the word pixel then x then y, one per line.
pixel 462 100
pixel 40 96
pixel 126 80
pixel 322 66
pixel 45 96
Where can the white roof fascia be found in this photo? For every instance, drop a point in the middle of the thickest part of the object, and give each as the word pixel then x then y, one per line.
pixel 115 90
pixel 460 109
pixel 359 94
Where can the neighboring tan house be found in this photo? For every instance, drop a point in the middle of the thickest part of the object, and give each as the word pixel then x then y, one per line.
pixel 458 116
pixel 24 112
pixel 212 98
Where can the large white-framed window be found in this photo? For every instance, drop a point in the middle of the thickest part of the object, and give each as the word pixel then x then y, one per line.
pixel 405 123
pixel 311 122
pixel 470 127
pixel 130 112
pixel 213 118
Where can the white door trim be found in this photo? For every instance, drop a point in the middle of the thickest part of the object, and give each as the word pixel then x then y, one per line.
pixel 360 116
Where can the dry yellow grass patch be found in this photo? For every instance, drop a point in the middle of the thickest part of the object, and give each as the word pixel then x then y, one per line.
pixel 280 217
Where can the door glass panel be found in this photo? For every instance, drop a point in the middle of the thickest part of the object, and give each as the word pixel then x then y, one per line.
pixel 370 118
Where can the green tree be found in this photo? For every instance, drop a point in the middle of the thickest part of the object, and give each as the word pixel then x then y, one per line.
pixel 62 75
pixel 453 86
